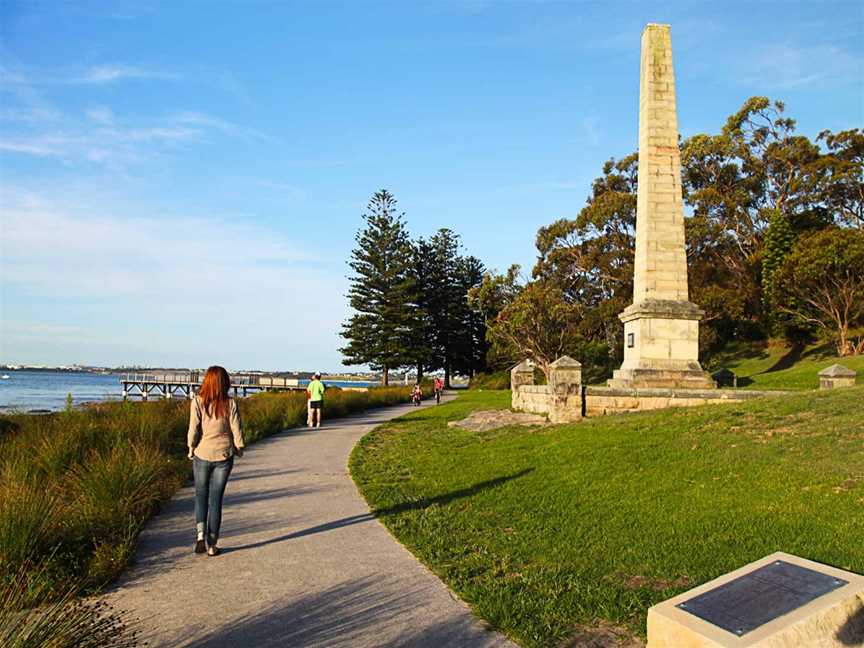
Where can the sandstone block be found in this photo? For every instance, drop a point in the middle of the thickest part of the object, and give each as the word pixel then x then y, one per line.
pixel 836 376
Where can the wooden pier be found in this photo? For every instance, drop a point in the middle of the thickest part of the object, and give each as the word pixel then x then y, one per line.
pixel 185 385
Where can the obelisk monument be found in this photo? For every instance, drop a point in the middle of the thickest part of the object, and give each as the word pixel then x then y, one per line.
pixel 661 327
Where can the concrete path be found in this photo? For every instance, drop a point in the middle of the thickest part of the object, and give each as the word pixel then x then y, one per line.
pixel 304 563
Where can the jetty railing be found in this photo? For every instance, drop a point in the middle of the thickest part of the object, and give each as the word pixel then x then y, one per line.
pixel 186 384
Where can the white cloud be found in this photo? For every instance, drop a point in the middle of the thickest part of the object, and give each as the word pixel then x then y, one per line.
pixel 113 141
pixel 94 75
pixel 202 120
pixel 116 72
pixel 31 147
pixel 50 251
pixel 101 115
pixel 101 286
pixel 785 66
pixel 284 188
pixel 29 114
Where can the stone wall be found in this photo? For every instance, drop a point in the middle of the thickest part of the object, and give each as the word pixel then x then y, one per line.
pixel 536 399
pixel 561 399
pixel 612 400
pixel 565 399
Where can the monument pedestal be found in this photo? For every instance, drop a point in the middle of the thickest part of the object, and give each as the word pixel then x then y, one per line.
pixel 661 344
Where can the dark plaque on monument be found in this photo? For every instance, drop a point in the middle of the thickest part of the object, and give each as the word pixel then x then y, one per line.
pixel 765 594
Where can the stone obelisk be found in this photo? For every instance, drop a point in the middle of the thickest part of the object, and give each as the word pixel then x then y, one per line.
pixel 661 327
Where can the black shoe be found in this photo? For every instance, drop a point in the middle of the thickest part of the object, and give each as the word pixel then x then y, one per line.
pixel 199 546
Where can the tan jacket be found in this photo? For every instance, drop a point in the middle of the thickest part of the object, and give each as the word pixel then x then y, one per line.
pixel 214 439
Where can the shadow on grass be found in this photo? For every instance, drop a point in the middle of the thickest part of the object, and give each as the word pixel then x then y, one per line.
pixel 788 359
pixel 344 615
pixel 392 510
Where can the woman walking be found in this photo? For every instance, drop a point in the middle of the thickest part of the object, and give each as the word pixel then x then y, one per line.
pixel 214 439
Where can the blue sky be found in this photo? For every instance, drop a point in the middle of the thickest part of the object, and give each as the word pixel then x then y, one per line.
pixel 182 182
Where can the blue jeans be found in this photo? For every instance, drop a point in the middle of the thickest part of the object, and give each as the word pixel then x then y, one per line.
pixel 210 480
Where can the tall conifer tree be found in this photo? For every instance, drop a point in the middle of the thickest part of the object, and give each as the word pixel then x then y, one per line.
pixel 382 291
pixel 471 345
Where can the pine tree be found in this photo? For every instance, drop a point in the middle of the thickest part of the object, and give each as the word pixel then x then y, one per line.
pixel 779 240
pixel 382 291
pixel 454 334
pixel 471 344
pixel 443 299
pixel 424 329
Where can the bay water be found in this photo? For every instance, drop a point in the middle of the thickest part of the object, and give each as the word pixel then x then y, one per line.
pixel 27 390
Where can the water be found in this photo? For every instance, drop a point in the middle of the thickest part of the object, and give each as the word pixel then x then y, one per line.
pixel 343 383
pixel 46 390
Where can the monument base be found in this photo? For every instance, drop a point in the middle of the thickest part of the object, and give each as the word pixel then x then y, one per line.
pixel 640 378
pixel 661 347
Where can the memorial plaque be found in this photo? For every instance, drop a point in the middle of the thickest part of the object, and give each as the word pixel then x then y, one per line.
pixel 765 594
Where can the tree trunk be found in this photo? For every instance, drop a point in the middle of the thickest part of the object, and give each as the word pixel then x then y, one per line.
pixel 446 375
pixel 419 372
pixel 385 376
pixel 844 346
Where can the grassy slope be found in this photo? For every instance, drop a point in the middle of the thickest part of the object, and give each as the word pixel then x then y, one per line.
pixel 777 366
pixel 544 529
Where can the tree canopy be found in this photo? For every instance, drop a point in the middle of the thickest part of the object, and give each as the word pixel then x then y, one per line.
pixel 754 194
pixel 411 298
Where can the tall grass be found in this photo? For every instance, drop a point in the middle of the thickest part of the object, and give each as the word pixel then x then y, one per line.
pixel 27 620
pixel 77 486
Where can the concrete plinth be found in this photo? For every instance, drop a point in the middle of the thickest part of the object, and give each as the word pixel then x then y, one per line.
pixel 832 620
pixel 836 376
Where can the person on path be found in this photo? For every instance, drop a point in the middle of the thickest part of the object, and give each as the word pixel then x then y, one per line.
pixel 315 393
pixel 417 394
pixel 215 437
pixel 439 387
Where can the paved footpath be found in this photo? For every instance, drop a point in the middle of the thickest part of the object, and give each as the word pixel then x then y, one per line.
pixel 304 563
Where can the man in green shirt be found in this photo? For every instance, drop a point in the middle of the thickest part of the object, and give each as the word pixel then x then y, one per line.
pixel 315 394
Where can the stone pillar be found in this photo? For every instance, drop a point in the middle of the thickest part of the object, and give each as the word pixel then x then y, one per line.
pixel 565 386
pixel 661 327
pixel 521 374
pixel 836 376
pixel 565 372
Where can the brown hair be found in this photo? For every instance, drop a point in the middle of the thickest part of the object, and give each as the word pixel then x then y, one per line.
pixel 214 391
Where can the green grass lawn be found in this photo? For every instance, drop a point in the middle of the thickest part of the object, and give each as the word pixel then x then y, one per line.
pixel 778 366
pixel 549 531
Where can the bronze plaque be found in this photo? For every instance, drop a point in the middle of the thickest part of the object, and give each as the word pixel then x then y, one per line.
pixel 765 594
